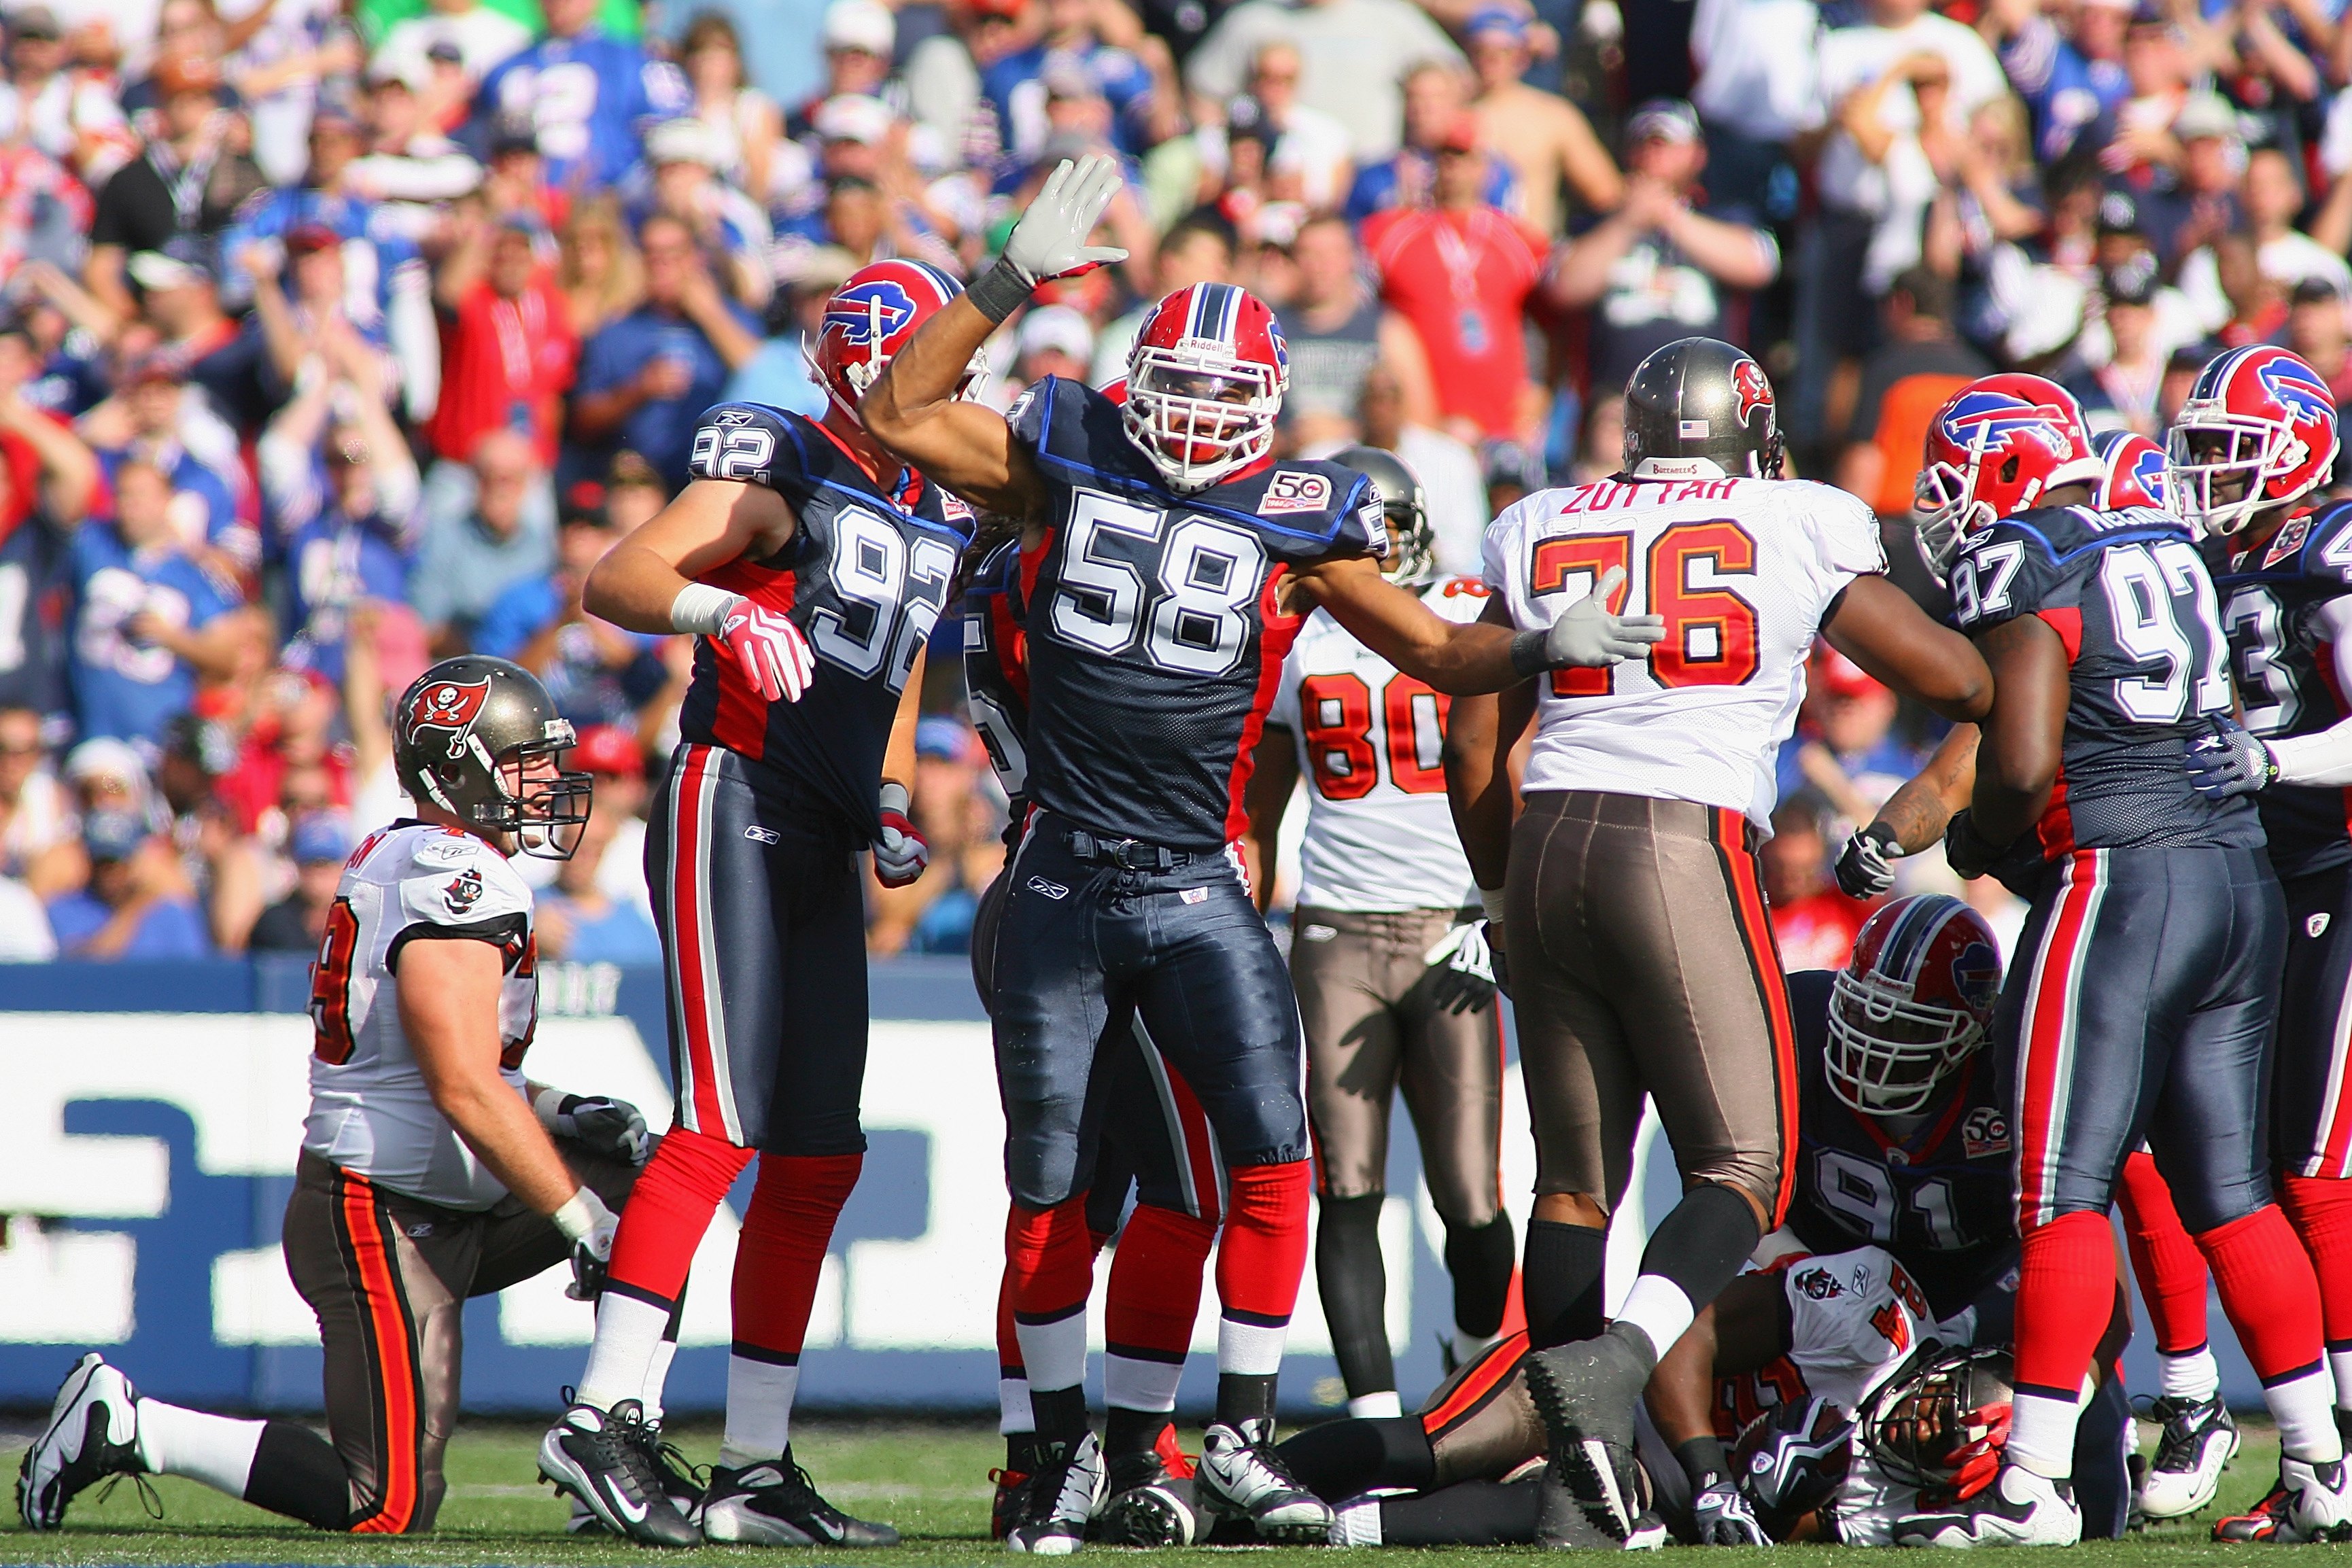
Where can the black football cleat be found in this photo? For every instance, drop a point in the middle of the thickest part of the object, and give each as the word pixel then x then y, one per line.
pixel 1585 1393
pixel 600 1457
pixel 1151 1501
pixel 776 1504
pixel 1064 1494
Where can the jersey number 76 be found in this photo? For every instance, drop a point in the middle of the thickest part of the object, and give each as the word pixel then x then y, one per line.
pixel 1710 632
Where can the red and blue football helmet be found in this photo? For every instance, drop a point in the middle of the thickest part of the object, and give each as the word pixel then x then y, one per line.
pixel 1998 445
pixel 1912 1004
pixel 1205 383
pixel 869 319
pixel 2258 430
pixel 2133 471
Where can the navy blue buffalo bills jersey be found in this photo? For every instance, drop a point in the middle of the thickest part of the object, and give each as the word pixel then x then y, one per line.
pixel 2284 660
pixel 1932 1189
pixel 2129 596
pixel 1156 635
pixel 995 668
pixel 864 577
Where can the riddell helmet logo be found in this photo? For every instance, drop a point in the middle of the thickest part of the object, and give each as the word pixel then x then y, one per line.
pixel 452 705
pixel 1755 391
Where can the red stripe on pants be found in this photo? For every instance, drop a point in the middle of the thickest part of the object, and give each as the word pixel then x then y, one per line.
pixel 1764 956
pixel 688 876
pixel 396 1487
pixel 2048 1046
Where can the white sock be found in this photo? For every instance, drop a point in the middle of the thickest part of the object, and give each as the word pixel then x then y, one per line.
pixel 657 1377
pixel 2042 1434
pixel 2339 1366
pixel 1250 1350
pixel 1356 1523
pixel 2195 1376
pixel 1384 1403
pixel 1657 1306
pixel 1137 1382
pixel 1055 1353
pixel 1013 1413
pixel 759 1411
pixel 628 1336
pixel 214 1449
pixel 2304 1410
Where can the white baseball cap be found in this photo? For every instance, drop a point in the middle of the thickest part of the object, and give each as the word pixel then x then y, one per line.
pixel 685 141
pixel 854 117
pixel 1055 327
pixel 861 25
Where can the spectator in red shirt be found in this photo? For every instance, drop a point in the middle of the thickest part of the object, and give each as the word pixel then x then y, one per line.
pixel 1461 272
pixel 1814 923
pixel 507 349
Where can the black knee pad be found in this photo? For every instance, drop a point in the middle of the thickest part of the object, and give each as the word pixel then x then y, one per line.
pixel 296 1472
pixel 1480 1257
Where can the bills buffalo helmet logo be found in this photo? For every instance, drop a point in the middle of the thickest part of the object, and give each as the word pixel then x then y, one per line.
pixel 1755 391
pixel 451 705
pixel 2148 471
pixel 1991 422
pixel 2297 389
pixel 1977 972
pixel 869 313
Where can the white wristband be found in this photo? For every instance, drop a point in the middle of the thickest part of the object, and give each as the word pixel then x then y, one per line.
pixel 583 1214
pixel 702 609
pixel 1491 900
pixel 545 1104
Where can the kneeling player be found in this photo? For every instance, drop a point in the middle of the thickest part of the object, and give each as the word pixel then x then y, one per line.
pixel 431 1171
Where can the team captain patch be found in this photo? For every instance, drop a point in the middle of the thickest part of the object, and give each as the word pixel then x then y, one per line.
pixel 1293 492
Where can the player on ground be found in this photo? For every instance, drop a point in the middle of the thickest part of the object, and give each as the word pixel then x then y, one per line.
pixel 812 566
pixel 432 1170
pixel 1168 560
pixel 1647 963
pixel 2253 443
pixel 1390 960
pixel 2149 964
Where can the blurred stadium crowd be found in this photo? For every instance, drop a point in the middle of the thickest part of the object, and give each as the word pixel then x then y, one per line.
pixel 341 334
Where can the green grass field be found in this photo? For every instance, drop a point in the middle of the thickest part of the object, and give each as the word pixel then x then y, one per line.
pixel 930 1479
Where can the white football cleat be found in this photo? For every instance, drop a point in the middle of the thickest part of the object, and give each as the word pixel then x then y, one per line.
pixel 2020 1509
pixel 2196 1443
pixel 92 1433
pixel 1240 1476
pixel 2318 1501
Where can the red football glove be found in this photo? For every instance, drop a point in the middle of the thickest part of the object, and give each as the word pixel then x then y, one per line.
pixel 775 657
pixel 901 852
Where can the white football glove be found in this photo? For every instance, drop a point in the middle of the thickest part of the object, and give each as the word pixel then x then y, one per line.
pixel 589 1226
pixel 1466 981
pixel 1050 240
pixel 598 1123
pixel 901 852
pixel 776 659
pixel 1587 634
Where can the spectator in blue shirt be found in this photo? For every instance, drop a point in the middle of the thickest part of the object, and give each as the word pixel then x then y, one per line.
pixel 646 378
pixel 136 905
pixel 149 619
pixel 1017 83
pixel 581 922
pixel 597 673
pixel 1436 95
pixel 587 95
pixel 345 504
pixel 465 561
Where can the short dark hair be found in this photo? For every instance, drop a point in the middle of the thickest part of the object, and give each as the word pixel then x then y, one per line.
pixel 1202 221
pixel 1930 292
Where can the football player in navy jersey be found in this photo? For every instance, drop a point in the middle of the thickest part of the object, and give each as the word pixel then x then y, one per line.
pixel 1167 562
pixel 2146 987
pixel 811 565
pixel 2255 439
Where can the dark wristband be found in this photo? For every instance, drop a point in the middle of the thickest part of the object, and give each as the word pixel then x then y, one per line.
pixel 1528 654
pixel 1704 1462
pixel 1000 290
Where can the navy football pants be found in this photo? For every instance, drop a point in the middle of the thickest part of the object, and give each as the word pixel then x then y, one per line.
pixel 1082 944
pixel 2140 1005
pixel 2311 1088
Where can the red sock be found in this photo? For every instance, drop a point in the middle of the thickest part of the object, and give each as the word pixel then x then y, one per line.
pixel 1155 1282
pixel 2065 1296
pixel 2268 1292
pixel 2321 1211
pixel 1264 1252
pixel 2166 1262
pixel 786 1229
pixel 668 1210
pixel 1049 1258
pixel 1008 1344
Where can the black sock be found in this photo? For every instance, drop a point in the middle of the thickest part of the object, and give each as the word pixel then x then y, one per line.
pixel 1353 1281
pixel 1341 1460
pixel 1702 1243
pixel 1245 1396
pixel 1020 1452
pixel 1704 1462
pixel 1060 1414
pixel 1132 1431
pixel 296 1472
pixel 1561 1283
pixel 1479 1257
pixel 1469 1513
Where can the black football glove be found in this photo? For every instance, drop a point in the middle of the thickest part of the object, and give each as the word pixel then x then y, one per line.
pixel 609 1128
pixel 1866 868
pixel 1464 979
pixel 1969 852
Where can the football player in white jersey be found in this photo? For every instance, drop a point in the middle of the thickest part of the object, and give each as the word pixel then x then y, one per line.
pixel 432 1170
pixel 1627 895
pixel 1389 958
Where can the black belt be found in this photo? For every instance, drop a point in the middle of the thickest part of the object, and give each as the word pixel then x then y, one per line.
pixel 1128 855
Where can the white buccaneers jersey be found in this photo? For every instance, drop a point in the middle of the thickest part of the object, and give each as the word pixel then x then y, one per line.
pixel 370 1111
pixel 1369 740
pixel 1743 571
